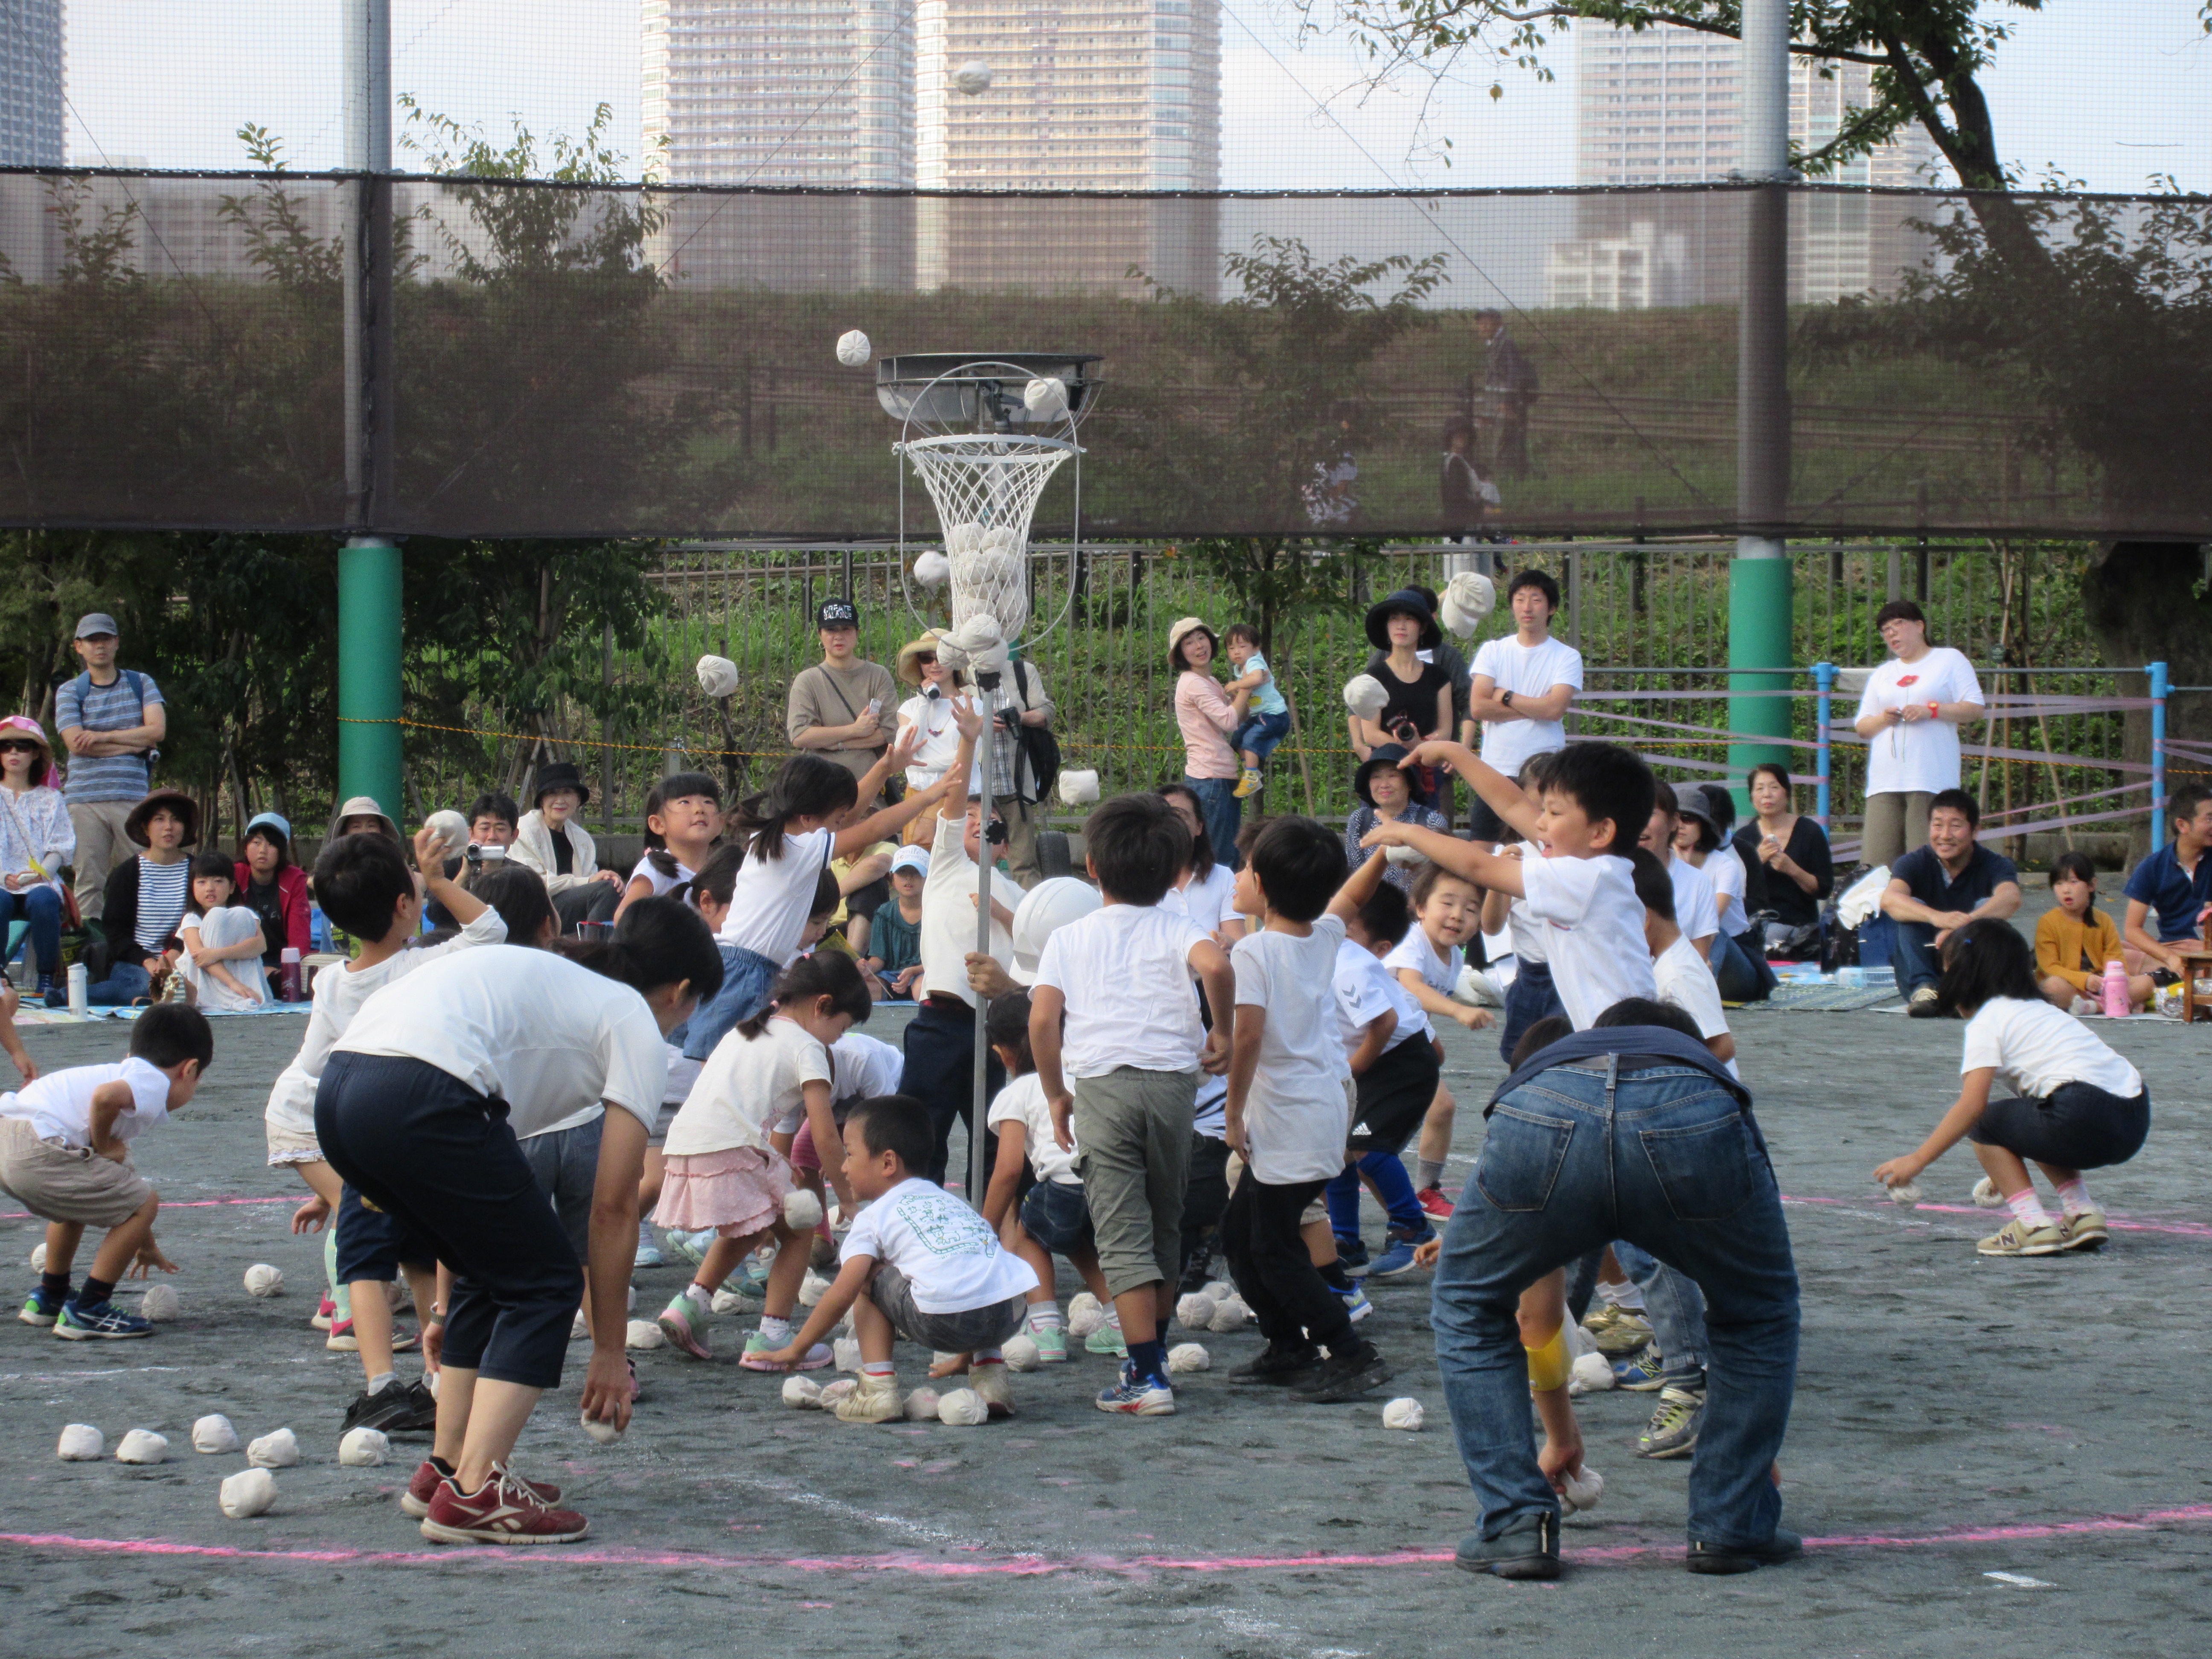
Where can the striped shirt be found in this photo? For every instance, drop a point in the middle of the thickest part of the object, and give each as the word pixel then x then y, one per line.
pixel 115 708
pixel 163 890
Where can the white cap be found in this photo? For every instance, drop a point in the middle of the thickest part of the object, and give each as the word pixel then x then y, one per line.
pixel 915 859
pixel 1045 909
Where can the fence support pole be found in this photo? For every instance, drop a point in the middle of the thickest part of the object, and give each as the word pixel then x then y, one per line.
pixel 1824 678
pixel 2159 686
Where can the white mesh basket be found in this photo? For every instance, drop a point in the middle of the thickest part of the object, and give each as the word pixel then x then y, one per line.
pixel 985 487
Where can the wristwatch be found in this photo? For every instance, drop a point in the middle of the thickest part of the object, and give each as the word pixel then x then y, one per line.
pixel 1505 697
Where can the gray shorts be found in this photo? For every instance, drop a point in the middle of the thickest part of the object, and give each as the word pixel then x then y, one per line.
pixel 67 1183
pixel 567 1164
pixel 1133 1141
pixel 952 1333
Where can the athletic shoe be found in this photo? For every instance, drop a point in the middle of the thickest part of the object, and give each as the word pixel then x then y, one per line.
pixel 1343 1376
pixel 1673 1429
pixel 103 1322
pixel 989 1379
pixel 1529 1548
pixel 342 1338
pixel 1642 1371
pixel 752 1282
pixel 1107 1339
pixel 415 1500
pixel 1986 1195
pixel 1051 1344
pixel 325 1315
pixel 685 1247
pixel 1923 1004
pixel 504 1511
pixel 1247 785
pixel 1784 1546
pixel 39 1308
pixel 2085 1231
pixel 1277 1368
pixel 1434 1204
pixel 648 1249
pixel 1356 1304
pixel 1138 1396
pixel 1397 1260
pixel 2016 1238
pixel 1351 1255
pixel 684 1323
pixel 392 1410
pixel 876 1399
pixel 757 1346
pixel 1618 1331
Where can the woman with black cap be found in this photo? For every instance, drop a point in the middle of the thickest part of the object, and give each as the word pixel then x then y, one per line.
pixel 1419 693
pixel 1386 797
pixel 550 841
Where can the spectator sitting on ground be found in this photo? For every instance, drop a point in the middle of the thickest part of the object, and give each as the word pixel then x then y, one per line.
pixel 2176 881
pixel 493 819
pixel 2075 940
pixel 559 849
pixel 1385 797
pixel 1786 853
pixel 839 706
pixel 145 901
pixel 894 957
pixel 1939 888
pixel 361 816
pixel 276 890
pixel 112 720
pixel 36 839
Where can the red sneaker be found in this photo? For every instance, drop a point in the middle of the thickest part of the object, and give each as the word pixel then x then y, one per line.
pixel 1434 1203
pixel 415 1500
pixel 504 1511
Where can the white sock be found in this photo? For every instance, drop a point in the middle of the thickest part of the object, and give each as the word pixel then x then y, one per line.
pixel 775 1330
pixel 1628 1295
pixel 2028 1209
pixel 1045 1316
pixel 382 1381
pixel 877 1368
pixel 2073 1197
pixel 700 1294
pixel 1113 1317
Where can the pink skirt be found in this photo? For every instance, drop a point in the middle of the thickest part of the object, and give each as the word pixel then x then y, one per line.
pixel 738 1193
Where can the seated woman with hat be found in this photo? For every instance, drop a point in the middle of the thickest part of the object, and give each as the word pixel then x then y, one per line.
pixel 36 839
pixel 550 841
pixel 1385 790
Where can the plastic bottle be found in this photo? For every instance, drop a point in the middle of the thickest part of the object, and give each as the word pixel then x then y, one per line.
pixel 2115 990
pixel 80 988
pixel 288 975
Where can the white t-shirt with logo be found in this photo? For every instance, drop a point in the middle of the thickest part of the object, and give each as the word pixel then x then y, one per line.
pixel 1125 972
pixel 1684 982
pixel 1297 1111
pixel 749 1089
pixel 1593 932
pixel 1023 1101
pixel 58 1106
pixel 1526 671
pixel 1923 756
pixel 2036 1048
pixel 1697 912
pixel 1365 991
pixel 952 1261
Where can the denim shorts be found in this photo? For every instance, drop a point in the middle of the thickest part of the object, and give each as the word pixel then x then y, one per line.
pixel 567 1164
pixel 747 979
pixel 1056 1216
pixel 946 1332
pixel 1261 733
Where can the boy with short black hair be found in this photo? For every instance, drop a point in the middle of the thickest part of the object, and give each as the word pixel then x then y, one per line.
pixel 1132 1051
pixel 918 1263
pixel 1681 975
pixel 66 1155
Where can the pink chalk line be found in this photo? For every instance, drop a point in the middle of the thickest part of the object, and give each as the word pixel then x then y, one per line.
pixel 2176 1229
pixel 1038 1566
pixel 186 1204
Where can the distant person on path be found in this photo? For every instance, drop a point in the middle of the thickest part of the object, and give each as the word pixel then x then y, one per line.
pixel 2176 881
pixel 1207 716
pixel 1935 890
pixel 112 721
pixel 840 708
pixel 1509 387
pixel 1910 715
pixel 1467 490
pixel 1520 689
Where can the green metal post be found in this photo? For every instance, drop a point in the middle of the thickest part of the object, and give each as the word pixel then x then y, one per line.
pixel 1759 637
pixel 368 672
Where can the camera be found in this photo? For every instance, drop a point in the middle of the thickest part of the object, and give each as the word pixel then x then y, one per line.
pixel 480 854
pixel 995 832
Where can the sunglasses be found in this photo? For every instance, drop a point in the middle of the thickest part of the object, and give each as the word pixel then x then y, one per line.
pixel 923 658
pixel 19 745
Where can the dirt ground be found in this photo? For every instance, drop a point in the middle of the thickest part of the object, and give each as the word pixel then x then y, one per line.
pixel 1956 1418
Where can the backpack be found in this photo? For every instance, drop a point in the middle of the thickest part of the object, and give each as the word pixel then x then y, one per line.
pixel 1036 744
pixel 136 681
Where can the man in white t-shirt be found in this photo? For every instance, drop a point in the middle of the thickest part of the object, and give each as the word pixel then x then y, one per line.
pixel 1520 690
pixel 1910 714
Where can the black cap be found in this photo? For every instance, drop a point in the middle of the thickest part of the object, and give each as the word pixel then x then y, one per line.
pixel 836 613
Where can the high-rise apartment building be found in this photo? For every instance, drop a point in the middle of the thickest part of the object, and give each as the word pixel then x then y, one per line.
pixel 32 131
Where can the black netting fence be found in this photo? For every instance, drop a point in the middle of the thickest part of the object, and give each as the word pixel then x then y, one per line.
pixel 596 361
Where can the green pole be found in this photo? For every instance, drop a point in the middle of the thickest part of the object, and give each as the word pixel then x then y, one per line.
pixel 1759 637
pixel 368 672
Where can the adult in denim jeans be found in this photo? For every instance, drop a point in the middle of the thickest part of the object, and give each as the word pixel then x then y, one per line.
pixel 1629 1132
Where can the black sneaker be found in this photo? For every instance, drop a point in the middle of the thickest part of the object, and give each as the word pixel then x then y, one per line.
pixel 393 1410
pixel 1344 1376
pixel 1528 1549
pixel 1926 1005
pixel 1724 1559
pixel 1351 1255
pixel 1279 1368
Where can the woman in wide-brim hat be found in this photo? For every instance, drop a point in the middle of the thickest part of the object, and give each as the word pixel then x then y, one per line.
pixel 1420 702
pixel 173 800
pixel 928 712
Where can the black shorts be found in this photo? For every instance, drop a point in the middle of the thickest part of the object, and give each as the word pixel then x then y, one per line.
pixel 2078 1126
pixel 1394 1097
pixel 372 1244
pixel 1483 824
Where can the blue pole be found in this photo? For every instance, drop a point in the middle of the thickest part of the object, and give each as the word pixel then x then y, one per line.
pixel 1824 678
pixel 2158 689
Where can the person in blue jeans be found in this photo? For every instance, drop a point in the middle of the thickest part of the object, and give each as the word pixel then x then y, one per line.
pixel 1628 1131
pixel 1936 890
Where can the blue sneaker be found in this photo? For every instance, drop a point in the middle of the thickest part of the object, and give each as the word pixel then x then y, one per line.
pixel 1643 1371
pixel 103 1322
pixel 1356 1304
pixel 1393 1261
pixel 1138 1396
pixel 39 1308
pixel 648 1248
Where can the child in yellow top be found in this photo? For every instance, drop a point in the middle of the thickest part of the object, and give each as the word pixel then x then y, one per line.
pixel 2075 941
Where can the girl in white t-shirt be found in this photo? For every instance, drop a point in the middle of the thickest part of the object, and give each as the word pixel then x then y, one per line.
pixel 1206 888
pixel 1447 913
pixel 726 1162
pixel 2075 1105
pixel 682 822
pixel 220 943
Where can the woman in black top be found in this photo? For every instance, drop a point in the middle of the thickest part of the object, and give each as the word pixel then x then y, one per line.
pixel 1784 855
pixel 1420 694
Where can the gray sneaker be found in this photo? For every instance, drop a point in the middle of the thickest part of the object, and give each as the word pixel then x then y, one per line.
pixel 1673 1431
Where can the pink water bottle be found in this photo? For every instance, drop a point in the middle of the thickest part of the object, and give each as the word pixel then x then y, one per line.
pixel 2115 990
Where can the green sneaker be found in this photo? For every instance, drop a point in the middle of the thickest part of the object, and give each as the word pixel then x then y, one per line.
pixel 1107 1339
pixel 1673 1431
pixel 1051 1346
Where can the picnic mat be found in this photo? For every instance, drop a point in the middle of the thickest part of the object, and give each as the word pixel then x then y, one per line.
pixel 28 1015
pixel 1825 999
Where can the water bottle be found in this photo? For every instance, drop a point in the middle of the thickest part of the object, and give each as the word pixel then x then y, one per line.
pixel 288 975
pixel 2115 990
pixel 80 988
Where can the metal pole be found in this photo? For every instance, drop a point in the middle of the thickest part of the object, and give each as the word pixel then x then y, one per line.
pixel 2158 687
pixel 1824 677
pixel 1759 608
pixel 979 1172
pixel 369 587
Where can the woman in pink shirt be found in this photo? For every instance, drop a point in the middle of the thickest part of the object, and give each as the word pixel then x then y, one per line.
pixel 1207 715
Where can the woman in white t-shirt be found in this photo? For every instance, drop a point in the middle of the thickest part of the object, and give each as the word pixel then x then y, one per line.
pixel 2075 1105
pixel 1206 887
pixel 1910 715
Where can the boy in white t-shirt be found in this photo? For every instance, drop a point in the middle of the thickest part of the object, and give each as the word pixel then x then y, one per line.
pixel 918 1264
pixel 66 1156
pixel 1291 1099
pixel 1595 801
pixel 1123 1079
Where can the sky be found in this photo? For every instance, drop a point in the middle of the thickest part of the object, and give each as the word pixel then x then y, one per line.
pixel 2110 92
